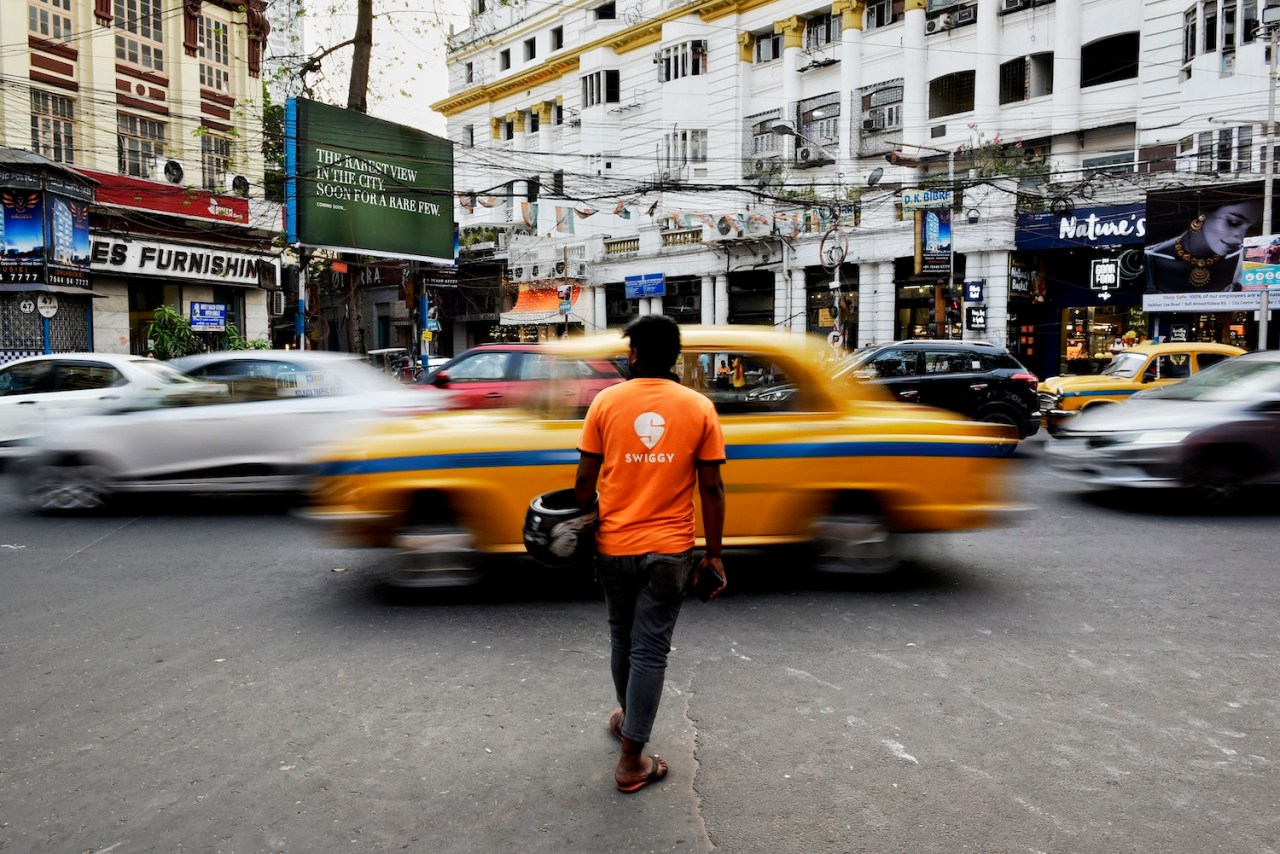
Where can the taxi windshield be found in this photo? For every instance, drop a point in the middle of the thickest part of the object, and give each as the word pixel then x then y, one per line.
pixel 1232 380
pixel 1126 365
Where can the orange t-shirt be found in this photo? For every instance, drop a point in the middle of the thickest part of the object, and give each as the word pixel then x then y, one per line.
pixel 650 434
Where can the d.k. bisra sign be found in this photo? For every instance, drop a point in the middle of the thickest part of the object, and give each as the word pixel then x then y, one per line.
pixel 360 184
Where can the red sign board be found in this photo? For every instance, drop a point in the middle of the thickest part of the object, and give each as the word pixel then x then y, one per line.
pixel 159 197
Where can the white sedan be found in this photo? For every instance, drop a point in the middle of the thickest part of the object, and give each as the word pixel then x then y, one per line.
pixel 279 404
pixel 37 390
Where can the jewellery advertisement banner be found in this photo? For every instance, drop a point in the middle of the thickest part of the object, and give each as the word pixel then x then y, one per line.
pixel 1195 251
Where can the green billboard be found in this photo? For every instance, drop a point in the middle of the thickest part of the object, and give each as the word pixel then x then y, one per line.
pixel 359 184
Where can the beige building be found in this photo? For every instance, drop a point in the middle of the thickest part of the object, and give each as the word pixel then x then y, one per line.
pixel 160 103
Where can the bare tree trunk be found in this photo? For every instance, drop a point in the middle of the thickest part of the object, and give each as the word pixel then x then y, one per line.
pixel 358 89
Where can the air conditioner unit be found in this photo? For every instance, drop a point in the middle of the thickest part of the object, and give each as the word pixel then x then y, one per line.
pixel 1010 5
pixel 559 268
pixel 277 303
pixel 167 169
pixel 690 303
pixel 580 269
pixel 938 24
pixel 235 185
pixel 767 163
pixel 535 271
pixel 967 15
pixel 805 154
pixel 624 306
pixel 1033 156
pixel 517 274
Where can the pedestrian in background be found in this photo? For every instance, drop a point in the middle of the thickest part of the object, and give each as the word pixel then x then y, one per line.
pixel 646 442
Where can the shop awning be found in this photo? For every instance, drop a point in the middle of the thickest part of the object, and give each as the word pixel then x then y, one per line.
pixel 41 288
pixel 539 303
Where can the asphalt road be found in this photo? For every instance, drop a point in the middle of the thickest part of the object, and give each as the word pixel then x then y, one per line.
pixel 200 676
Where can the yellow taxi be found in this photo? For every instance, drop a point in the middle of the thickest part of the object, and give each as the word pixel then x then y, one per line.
pixel 845 469
pixel 1135 369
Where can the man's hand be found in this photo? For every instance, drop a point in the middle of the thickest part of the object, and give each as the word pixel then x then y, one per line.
pixel 712 565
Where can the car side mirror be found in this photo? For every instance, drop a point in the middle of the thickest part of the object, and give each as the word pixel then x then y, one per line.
pixel 441 379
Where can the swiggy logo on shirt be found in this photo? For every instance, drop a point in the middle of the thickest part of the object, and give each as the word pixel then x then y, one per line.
pixel 650 427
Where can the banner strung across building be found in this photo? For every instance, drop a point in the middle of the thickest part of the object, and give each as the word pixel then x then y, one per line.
pixel 1195 248
pixel 359 184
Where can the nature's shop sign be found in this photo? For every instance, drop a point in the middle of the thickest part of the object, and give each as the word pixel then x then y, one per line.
pixel 181 261
pixel 1107 226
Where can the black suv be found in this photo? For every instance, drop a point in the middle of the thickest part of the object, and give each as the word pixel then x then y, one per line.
pixel 979 380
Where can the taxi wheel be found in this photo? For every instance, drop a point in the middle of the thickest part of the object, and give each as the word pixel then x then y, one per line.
pixel 856 542
pixel 68 485
pixel 434 553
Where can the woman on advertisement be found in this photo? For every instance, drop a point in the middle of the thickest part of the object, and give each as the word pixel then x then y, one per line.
pixel 1203 236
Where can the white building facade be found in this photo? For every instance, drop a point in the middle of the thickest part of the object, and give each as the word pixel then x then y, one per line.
pixel 742 149
pixel 158 103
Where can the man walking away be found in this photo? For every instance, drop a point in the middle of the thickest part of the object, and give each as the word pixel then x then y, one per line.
pixel 646 443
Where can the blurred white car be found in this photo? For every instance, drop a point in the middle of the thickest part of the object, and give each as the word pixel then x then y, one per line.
pixel 278 404
pixel 39 389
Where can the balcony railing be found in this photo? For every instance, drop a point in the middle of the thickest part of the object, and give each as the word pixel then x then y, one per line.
pixel 622 246
pixel 682 237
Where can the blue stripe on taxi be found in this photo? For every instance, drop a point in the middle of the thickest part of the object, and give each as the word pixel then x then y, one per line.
pixel 569 456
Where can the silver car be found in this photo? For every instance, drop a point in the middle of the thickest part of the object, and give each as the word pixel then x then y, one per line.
pixel 278 403
pixel 37 391
pixel 1215 434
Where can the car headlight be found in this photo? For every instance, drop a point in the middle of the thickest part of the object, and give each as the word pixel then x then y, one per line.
pixel 1161 437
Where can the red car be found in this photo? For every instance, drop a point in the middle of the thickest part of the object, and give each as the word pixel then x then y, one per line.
pixel 496 375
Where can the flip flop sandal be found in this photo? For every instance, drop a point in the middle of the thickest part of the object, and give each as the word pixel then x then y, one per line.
pixel 656 773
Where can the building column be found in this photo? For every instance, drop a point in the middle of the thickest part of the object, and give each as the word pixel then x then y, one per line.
pixel 655 305
pixel 915 82
pixel 601 308
pixel 792 32
pixel 587 308
pixel 544 127
pixel 708 301
pixel 1067 19
pixel 986 88
pixel 799 311
pixel 781 293
pixel 722 299
pixel 851 14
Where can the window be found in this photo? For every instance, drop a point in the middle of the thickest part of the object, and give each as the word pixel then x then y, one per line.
pixel 606 12
pixel 138 142
pixel 951 362
pixel 140 37
pixel 684 146
pixel 601 87
pixel 951 93
pixel 1013 80
pixel 1115 164
pixel 50 19
pixel 763 140
pixel 891 363
pixel 557 114
pixel 1189 35
pixel 821 30
pixel 1249 14
pixel 51 126
pixel 215 55
pixel 1244 148
pixel 504 59
pixel 1109 60
pixel 480 367
pixel 557 38
pixel 1228 24
pixel 530 49
pixel 469 72
pixel 557 183
pixel 820 118
pixel 533 188
pixel 469 136
pixel 83 376
pixel 1210 27
pixel 768 47
pixel 879 14
pixel 508 129
pixel 535 121
pixel 681 60
pixel 1204 151
pixel 215 161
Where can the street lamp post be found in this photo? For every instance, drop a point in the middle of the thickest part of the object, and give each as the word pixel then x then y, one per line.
pixel 1270 20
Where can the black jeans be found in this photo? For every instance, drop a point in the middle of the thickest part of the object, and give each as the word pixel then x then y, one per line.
pixel 643 594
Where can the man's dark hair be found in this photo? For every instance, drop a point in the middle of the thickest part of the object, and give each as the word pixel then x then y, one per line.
pixel 656 340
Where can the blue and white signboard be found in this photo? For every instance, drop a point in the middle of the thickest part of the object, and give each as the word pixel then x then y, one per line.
pixel 973 290
pixel 648 285
pixel 1117 225
pixel 208 317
